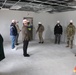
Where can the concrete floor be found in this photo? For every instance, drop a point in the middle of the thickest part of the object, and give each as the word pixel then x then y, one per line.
pixel 45 59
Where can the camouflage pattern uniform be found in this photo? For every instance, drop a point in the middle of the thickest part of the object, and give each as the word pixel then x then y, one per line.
pixel 70 35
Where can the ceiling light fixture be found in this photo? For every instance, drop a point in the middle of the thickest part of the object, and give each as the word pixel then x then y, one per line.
pixel 15 7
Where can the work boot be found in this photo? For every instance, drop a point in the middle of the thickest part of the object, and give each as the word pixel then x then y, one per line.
pixel 17 43
pixel 26 55
pixel 67 46
pixel 42 42
pixel 39 42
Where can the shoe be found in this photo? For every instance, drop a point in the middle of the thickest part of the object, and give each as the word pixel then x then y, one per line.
pixel 42 42
pixel 67 46
pixel 13 49
pixel 17 43
pixel 27 55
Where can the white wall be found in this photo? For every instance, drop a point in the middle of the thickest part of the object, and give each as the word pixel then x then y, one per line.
pixel 6 17
pixel 48 20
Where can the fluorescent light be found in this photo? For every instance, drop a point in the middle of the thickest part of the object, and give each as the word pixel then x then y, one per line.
pixel 73 6
pixel 4 9
pixel 15 7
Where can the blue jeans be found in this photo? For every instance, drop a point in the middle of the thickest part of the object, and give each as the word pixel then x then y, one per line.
pixel 13 40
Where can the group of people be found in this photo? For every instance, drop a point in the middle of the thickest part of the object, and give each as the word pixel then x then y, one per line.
pixel 58 30
pixel 14 33
pixel 70 32
pixel 15 30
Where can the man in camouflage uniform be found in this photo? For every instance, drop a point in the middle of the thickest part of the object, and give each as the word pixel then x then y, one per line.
pixel 40 30
pixel 70 34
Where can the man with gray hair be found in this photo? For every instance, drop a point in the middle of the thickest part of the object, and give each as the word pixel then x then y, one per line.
pixel 13 34
pixel 25 37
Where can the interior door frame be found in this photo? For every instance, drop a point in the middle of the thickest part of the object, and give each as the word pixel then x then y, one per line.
pixel 30 19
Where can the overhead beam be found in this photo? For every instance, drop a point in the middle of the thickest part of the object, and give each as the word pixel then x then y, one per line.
pixel 15 4
pixel 4 3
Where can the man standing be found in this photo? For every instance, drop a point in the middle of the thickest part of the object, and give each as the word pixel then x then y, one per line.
pixel 13 34
pixel 18 31
pixel 25 37
pixel 70 31
pixel 58 32
pixel 40 30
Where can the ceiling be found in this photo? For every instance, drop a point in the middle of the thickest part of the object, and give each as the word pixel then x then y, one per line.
pixel 39 5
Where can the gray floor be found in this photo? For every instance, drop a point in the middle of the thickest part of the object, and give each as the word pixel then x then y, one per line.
pixel 45 59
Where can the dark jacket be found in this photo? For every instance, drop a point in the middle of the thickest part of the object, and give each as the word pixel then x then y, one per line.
pixel 58 29
pixel 13 30
pixel 25 33
pixel 2 56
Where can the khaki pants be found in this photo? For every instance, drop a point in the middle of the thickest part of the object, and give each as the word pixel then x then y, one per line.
pixel 40 37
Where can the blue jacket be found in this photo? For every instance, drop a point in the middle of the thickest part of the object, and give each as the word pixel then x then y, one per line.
pixel 13 30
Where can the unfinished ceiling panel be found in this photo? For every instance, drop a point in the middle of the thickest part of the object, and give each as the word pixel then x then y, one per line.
pixel 39 5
